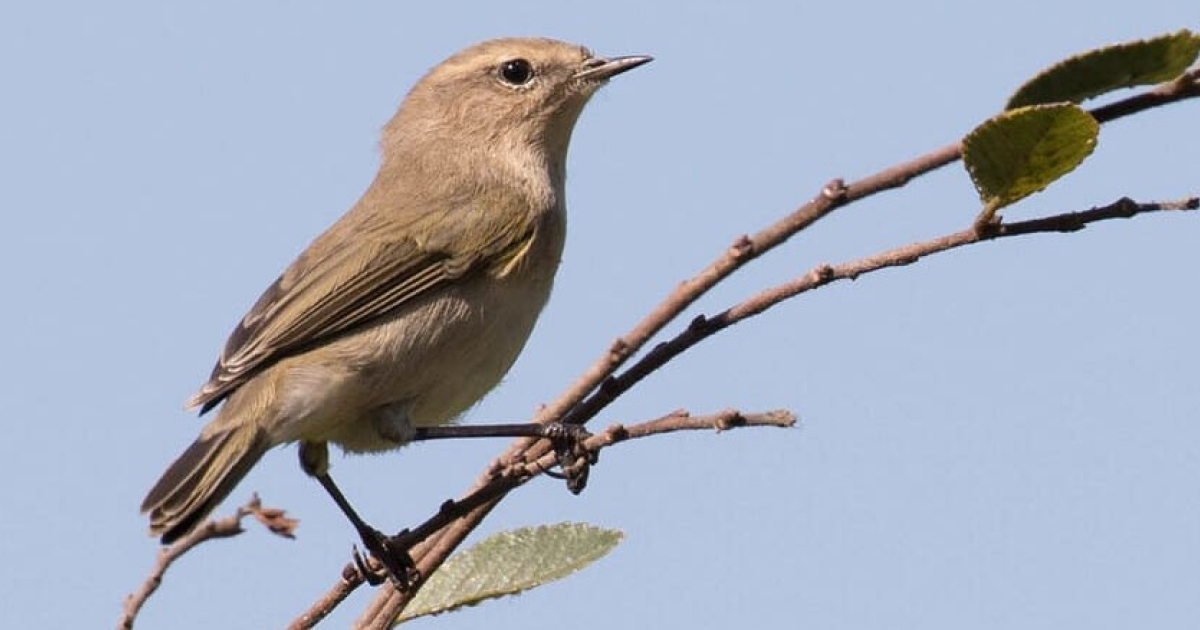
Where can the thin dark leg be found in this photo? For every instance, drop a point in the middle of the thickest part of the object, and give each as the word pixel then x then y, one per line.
pixel 392 552
pixel 552 430
pixel 573 460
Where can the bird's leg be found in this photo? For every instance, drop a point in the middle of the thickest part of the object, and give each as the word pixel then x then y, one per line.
pixel 392 552
pixel 573 459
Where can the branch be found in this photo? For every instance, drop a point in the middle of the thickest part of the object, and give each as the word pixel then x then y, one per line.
pixel 388 604
pixel 212 529
pixel 702 327
pixel 1185 87
pixel 384 609
pixel 591 392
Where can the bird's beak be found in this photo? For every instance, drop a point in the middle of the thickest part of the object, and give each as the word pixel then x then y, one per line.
pixel 601 69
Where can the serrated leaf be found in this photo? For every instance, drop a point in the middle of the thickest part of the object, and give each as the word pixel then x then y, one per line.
pixel 1103 70
pixel 509 563
pixel 1020 152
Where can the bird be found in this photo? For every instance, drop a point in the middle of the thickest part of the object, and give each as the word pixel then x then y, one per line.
pixel 416 302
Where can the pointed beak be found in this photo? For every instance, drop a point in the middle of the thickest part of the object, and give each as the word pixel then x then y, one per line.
pixel 600 69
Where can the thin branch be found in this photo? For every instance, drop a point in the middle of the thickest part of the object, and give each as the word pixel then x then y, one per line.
pixel 212 529
pixel 703 327
pixel 347 582
pixel 388 604
pixel 433 551
pixel 576 407
pixel 1185 87
pixel 681 420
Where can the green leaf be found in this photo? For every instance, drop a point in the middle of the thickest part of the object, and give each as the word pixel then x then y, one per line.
pixel 1020 152
pixel 509 563
pixel 1103 70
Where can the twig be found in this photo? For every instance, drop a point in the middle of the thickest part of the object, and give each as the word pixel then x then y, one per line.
pixel 704 327
pixel 387 605
pixel 434 550
pixel 350 579
pixel 212 529
pixel 1185 87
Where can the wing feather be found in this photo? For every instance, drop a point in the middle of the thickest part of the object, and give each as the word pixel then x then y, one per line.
pixel 310 303
pixel 351 275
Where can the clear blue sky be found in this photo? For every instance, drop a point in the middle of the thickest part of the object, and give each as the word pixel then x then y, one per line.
pixel 1005 436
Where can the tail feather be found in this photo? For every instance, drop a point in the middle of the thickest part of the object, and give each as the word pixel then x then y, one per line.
pixel 201 478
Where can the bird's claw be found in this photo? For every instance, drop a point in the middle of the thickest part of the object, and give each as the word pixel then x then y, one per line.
pixel 391 553
pixel 574 460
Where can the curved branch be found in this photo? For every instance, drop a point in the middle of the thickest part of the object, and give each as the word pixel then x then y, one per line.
pixel 703 327
pixel 212 529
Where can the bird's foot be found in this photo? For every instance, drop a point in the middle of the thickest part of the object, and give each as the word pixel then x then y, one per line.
pixel 574 459
pixel 391 553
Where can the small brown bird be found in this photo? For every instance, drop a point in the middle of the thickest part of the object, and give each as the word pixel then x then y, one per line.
pixel 413 305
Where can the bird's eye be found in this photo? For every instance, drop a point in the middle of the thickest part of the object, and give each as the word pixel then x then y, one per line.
pixel 516 72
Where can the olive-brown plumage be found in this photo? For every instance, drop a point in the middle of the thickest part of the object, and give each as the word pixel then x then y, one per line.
pixel 416 302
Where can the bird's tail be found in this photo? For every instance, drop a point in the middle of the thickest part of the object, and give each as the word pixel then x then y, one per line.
pixel 201 478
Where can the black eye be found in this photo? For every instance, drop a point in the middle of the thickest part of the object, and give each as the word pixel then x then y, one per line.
pixel 516 72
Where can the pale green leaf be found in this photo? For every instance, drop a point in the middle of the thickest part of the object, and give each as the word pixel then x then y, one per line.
pixel 509 563
pixel 1020 152
pixel 1103 70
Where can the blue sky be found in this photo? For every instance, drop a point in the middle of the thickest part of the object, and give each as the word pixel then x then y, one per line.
pixel 1002 436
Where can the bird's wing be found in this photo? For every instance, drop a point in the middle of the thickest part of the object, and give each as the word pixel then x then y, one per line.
pixel 316 299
